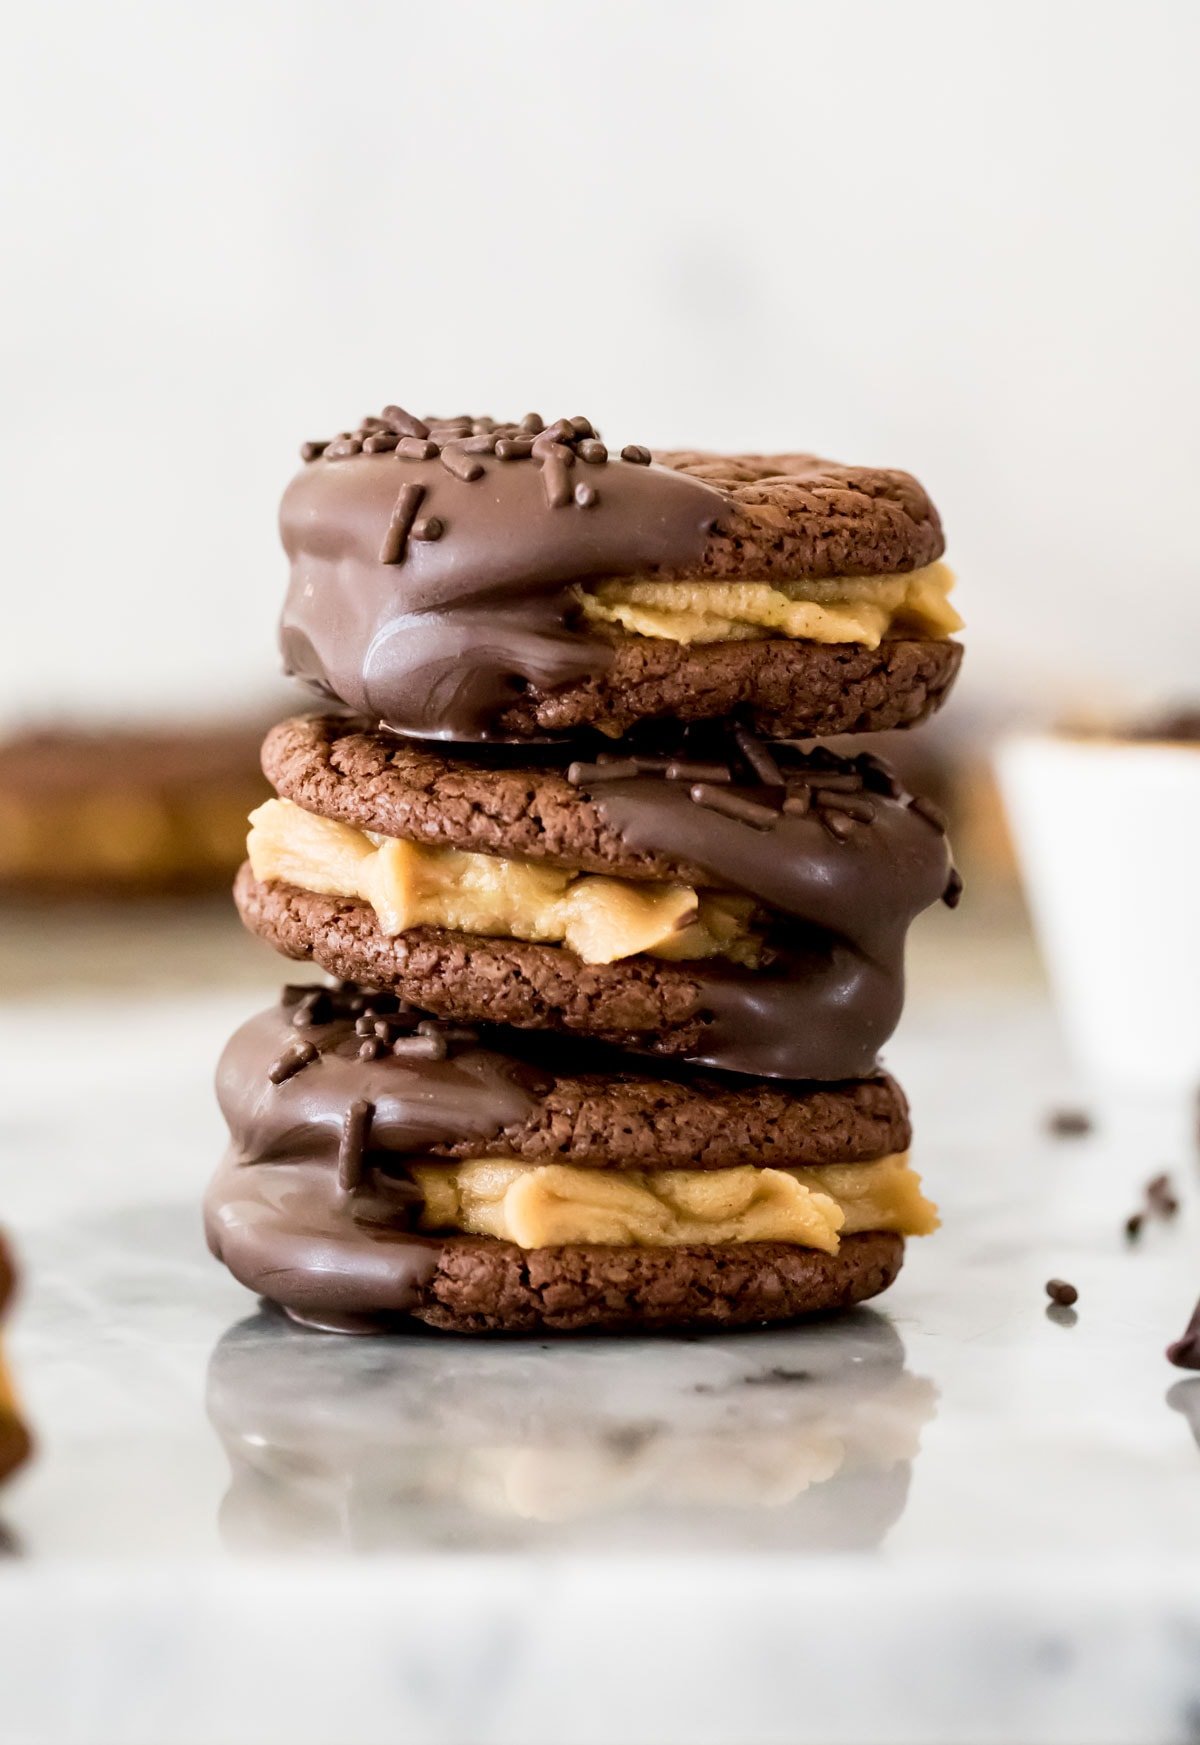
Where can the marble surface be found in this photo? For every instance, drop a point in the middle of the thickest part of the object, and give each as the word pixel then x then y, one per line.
pixel 953 1517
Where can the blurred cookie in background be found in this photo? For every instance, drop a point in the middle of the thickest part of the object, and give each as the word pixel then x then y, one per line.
pixel 14 1438
pixel 125 811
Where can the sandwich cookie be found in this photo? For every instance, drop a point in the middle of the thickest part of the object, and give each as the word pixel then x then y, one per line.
pixel 385 1165
pixel 737 906
pixel 466 579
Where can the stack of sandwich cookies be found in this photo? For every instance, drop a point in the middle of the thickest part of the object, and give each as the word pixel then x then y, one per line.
pixel 614 954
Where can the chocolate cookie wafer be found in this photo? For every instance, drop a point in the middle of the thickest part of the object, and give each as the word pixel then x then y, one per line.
pixel 386 1165
pixel 467 579
pixel 745 909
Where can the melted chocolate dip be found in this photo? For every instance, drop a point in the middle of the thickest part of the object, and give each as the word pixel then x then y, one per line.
pixel 281 1213
pixel 428 589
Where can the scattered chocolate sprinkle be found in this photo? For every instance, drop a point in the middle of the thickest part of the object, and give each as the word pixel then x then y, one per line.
pixel 312 450
pixel 295 1056
pixel 585 496
pixel 343 447
pixel 356 1130
pixel 1069 1123
pixel 514 447
pixel 532 423
pixel 633 451
pixel 798 803
pixel 952 895
pixel 1133 1225
pixel 926 809
pixel 1160 1196
pixel 730 805
pixel 364 1026
pixel 419 1048
pixel 403 515
pixel 370 1049
pixel 382 442
pixel 592 451
pixel 581 427
pixel 462 465
pixel 291 992
pixel 432 527
pixel 1184 1352
pixel 483 442
pixel 1062 1293
pixel 385 1029
pixel 758 756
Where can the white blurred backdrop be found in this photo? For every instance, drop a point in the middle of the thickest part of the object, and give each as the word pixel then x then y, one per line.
pixel 957 237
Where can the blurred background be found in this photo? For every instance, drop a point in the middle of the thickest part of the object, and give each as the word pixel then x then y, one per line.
pixel 958 238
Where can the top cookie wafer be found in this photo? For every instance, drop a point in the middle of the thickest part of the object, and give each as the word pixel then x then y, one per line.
pixel 464 579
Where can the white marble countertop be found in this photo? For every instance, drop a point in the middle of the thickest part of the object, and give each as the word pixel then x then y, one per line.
pixel 951 1518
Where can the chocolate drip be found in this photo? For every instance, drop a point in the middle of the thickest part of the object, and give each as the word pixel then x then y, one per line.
pixel 439 644
pixel 418 1102
pixel 312 1201
pixel 832 990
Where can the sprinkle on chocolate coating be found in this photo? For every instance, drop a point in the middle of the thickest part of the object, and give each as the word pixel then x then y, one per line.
pixel 732 805
pixel 758 756
pixel 356 1131
pixel 952 895
pixel 404 514
pixel 291 1061
pixel 1061 1292
pixel 633 451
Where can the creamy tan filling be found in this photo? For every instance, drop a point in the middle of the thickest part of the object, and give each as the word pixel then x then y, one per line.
pixel 544 1205
pixel 410 885
pixel 862 609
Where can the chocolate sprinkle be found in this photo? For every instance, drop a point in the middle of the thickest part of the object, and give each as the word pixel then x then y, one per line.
pixel 1062 1293
pixel 716 799
pixel 1134 1225
pixel 1069 1123
pixel 582 774
pixel 1184 1352
pixel 432 527
pixel 293 1058
pixel 356 1131
pixel 314 1008
pixel 586 496
pixel 932 814
pixel 759 757
pixel 419 1047
pixel 952 895
pixel 403 515
pixel 633 451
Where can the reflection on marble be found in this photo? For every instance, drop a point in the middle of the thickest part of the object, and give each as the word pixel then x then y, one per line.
pixel 415 1443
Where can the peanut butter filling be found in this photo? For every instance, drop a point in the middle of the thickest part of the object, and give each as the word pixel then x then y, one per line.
pixel 410 885
pixel 862 609
pixel 545 1205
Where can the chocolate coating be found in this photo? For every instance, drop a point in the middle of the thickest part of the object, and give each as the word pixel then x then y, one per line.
pixel 440 644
